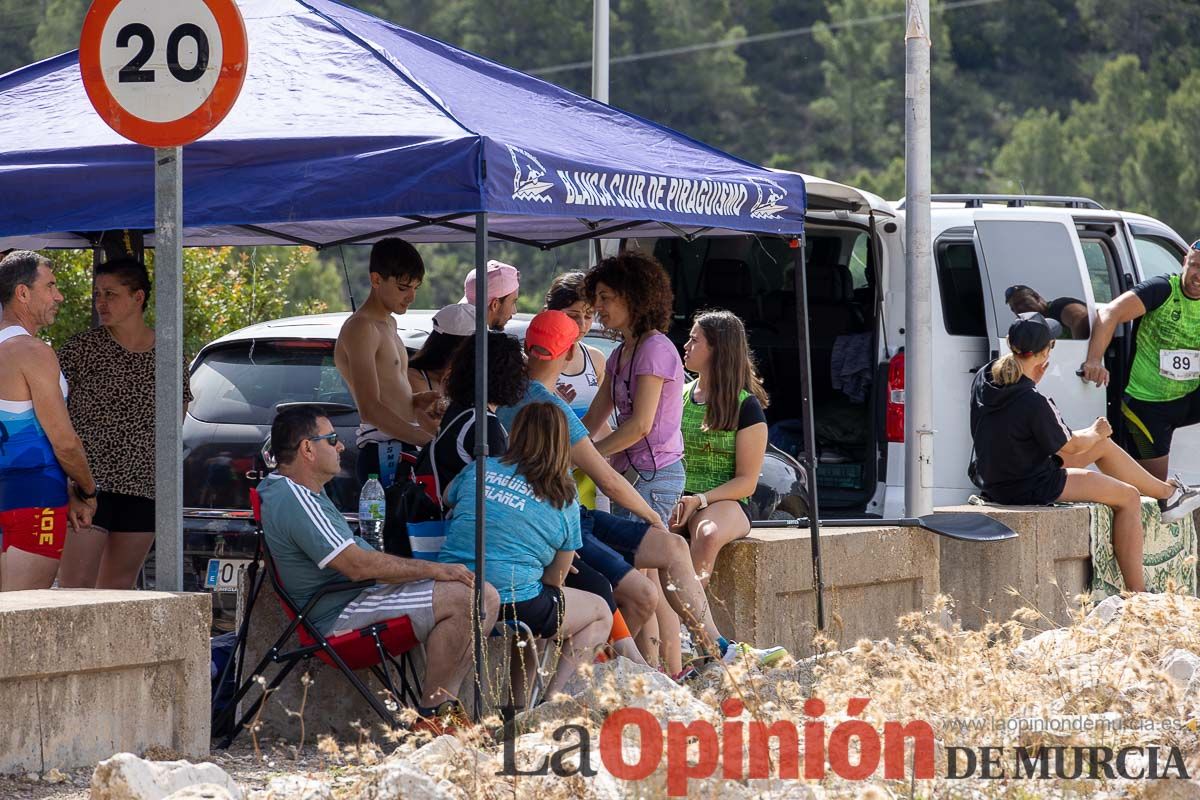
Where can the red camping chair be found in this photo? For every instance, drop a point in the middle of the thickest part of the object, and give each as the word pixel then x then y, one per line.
pixel 373 647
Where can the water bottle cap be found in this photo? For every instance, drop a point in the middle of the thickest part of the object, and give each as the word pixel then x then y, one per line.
pixel 374 476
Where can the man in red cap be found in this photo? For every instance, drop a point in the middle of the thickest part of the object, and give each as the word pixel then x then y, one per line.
pixel 503 282
pixel 613 546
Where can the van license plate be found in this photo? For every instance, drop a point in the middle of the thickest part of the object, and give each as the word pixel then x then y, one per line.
pixel 223 573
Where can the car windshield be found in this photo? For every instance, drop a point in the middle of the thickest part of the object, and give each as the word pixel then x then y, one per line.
pixel 242 383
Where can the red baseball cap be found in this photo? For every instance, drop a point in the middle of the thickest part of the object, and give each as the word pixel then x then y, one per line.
pixel 550 334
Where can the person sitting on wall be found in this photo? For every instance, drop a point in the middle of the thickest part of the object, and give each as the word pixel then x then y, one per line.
pixel 1026 455
pixel 1070 312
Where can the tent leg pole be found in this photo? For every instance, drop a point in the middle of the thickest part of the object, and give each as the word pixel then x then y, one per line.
pixel 810 435
pixel 168 360
pixel 481 448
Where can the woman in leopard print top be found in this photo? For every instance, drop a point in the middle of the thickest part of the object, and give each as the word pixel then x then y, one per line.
pixel 110 372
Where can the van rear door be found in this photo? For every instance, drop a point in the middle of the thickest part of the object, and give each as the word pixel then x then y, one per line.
pixel 1039 249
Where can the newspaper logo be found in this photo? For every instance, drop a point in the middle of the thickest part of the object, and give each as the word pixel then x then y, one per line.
pixel 527 176
pixel 769 194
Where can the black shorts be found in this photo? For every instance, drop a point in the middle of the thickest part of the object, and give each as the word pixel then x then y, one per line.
pixel 1151 425
pixel 543 614
pixel 1039 492
pixel 587 579
pixel 124 513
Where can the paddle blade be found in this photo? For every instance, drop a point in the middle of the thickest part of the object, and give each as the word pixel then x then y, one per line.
pixel 968 526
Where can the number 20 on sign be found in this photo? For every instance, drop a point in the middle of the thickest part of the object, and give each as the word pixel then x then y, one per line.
pixel 163 72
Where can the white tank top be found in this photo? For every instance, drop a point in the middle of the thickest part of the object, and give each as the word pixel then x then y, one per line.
pixel 585 383
pixel 18 406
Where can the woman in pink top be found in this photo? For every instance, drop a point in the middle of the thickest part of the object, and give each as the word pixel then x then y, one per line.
pixel 643 381
pixel 643 378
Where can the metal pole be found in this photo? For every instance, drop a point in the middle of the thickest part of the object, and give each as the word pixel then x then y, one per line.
pixel 918 360
pixel 600 50
pixel 481 448
pixel 810 435
pixel 168 365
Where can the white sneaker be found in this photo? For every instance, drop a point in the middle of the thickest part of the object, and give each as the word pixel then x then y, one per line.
pixel 1181 503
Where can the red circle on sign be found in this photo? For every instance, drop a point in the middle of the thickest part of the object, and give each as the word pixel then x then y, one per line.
pixel 185 129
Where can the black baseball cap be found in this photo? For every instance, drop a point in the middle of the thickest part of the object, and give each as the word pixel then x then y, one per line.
pixel 1032 333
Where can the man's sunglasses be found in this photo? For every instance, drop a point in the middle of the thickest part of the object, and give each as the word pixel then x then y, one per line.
pixel 332 438
pixel 1196 245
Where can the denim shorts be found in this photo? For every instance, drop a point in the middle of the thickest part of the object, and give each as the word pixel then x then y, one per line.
pixel 661 488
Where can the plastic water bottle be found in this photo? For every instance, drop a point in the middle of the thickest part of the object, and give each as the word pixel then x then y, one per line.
pixel 370 512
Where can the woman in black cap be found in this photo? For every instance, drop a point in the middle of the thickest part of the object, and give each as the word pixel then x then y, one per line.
pixel 1026 455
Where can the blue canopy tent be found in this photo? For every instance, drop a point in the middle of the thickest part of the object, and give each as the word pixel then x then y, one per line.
pixel 349 128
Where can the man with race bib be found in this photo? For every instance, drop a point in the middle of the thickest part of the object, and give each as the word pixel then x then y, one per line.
pixel 1163 392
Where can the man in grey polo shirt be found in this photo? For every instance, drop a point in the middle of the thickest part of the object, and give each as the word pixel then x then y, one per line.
pixel 313 547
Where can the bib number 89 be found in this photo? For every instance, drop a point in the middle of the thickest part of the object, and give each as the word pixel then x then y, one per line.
pixel 133 72
pixel 1181 363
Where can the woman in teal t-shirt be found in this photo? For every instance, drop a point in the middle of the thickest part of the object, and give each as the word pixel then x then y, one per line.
pixel 724 437
pixel 532 535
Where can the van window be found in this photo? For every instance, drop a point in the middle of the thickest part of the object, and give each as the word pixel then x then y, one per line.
pixel 858 261
pixel 1158 256
pixel 242 383
pixel 961 289
pixel 1100 267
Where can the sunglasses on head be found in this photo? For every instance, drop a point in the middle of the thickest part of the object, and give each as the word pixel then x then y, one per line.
pixel 332 438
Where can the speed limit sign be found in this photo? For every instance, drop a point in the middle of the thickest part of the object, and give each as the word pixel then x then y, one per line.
pixel 163 72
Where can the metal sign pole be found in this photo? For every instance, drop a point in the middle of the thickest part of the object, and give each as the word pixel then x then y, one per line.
pixel 600 50
pixel 918 315
pixel 168 361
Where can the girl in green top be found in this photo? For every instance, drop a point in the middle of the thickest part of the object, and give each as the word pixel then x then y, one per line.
pixel 724 437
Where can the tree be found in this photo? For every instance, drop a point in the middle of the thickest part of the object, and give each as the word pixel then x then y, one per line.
pixel 223 289
pixel 59 29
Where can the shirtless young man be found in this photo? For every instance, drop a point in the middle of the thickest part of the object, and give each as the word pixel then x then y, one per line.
pixel 40 447
pixel 373 362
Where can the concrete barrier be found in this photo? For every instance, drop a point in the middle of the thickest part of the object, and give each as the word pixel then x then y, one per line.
pixel 1045 568
pixel 86 673
pixel 762 588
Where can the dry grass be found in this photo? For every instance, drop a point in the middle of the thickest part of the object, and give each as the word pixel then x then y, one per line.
pixel 934 672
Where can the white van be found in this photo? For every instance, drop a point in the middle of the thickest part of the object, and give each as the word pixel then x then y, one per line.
pixel 854 256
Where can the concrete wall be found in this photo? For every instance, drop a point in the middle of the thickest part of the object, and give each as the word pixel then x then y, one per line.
pixel 1047 566
pixel 762 589
pixel 88 673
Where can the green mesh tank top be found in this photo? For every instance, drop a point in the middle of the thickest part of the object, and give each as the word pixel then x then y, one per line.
pixel 708 456
pixel 1173 326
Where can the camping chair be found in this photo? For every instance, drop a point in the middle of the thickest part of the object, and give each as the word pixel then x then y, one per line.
pixel 373 647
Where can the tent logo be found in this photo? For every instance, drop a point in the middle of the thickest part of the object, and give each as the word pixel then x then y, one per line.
pixel 769 194
pixel 527 177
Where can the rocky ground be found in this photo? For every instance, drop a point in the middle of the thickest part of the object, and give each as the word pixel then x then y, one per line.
pixel 1125 674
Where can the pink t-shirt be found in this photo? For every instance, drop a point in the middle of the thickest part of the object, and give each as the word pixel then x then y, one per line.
pixel 663 446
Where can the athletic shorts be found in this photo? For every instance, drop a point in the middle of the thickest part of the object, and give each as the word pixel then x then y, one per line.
pixel 124 513
pixel 386 601
pixel 610 542
pixel 1038 492
pixel 41 531
pixel 1151 425
pixel 543 614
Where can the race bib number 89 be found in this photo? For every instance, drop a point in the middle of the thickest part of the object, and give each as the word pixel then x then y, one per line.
pixel 1179 365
